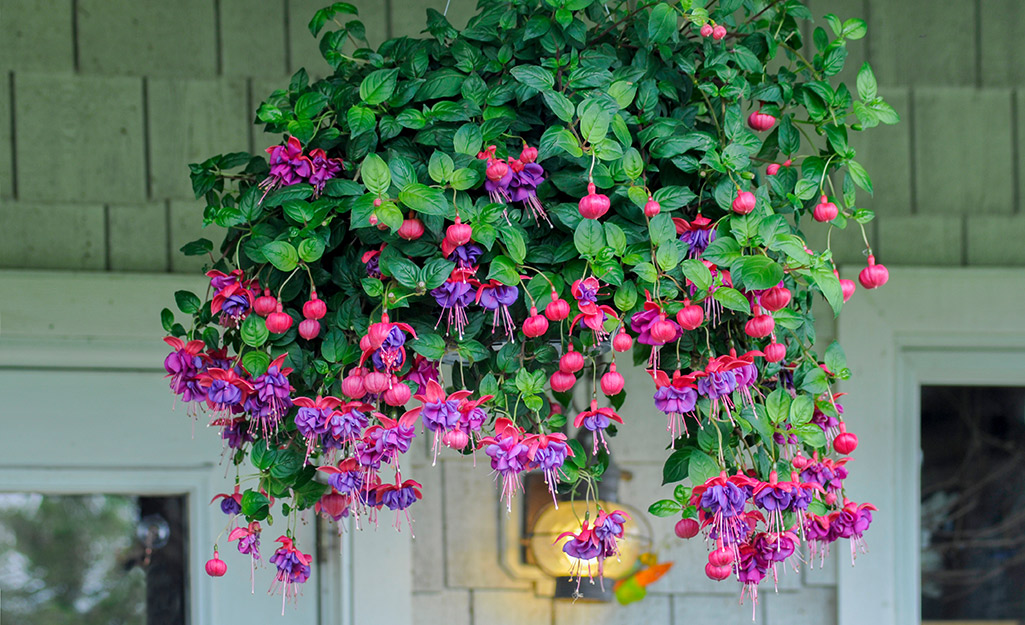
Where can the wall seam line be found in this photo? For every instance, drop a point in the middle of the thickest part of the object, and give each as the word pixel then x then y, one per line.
pixel 913 156
pixel 1015 156
pixel 146 164
pixel 288 37
pixel 75 55
pixel 168 238
pixel 14 136
pixel 106 238
pixel 218 39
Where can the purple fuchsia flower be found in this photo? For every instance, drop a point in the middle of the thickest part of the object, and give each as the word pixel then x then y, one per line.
pixel 225 389
pixel 830 425
pixel 465 256
pixel 232 297
pixel 453 297
pixel 231 504
pixel 498 176
pixel 333 505
pixel 324 169
pixel 717 385
pixel 597 420
pixel 827 473
pixel 312 418
pixel 775 498
pixel 372 260
pixel 509 455
pixel 288 166
pixel 526 177
pixel 851 522
pixel 293 568
pixel 548 452
pixel 346 424
pixel 421 372
pixel 384 344
pixel 271 398
pixel 608 529
pixel 399 497
pixel 720 502
pixel 248 544
pixel 384 442
pixel 751 571
pixel 696 235
pixel 183 366
pixel 234 431
pixel 346 478
pixel 439 412
pixel 642 322
pixel 495 296
pixel 676 399
pixel 592 315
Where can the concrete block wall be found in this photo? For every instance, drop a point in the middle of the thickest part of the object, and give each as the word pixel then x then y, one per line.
pixel 104 102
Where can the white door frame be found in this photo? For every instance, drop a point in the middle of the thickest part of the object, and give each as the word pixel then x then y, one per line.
pixel 926 326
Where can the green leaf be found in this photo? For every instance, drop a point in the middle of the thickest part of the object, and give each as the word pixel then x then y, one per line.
pixel 594 120
pixel 664 508
pixel 310 250
pixel 197 247
pixel 633 165
pixel 262 456
pixel 616 238
pixel 756 273
pixel 402 269
pixel 533 76
pixel 811 434
pixel 661 23
pixel 514 244
pixel 732 299
pixel 801 410
pixel 504 270
pixel 473 351
pixel 281 254
pixel 625 297
pixel 646 272
pixel 854 28
pixel 287 464
pixel 867 88
pixel 723 251
pixel 256 363
pixel 560 105
pixel 829 284
pixel 463 179
pixel 836 359
pixel 436 272
pixel 375 174
pixel 255 505
pixel 187 301
pixel 468 139
pixel 777 405
pixel 860 176
pixel 676 466
pixel 668 256
pixel 440 167
pixel 681 494
pixel 815 381
pixel 623 92
pixel 589 237
pixel 697 273
pixel 701 467
pixel 166 319
pixel 360 120
pixel 372 286
pixel 254 331
pixel 333 346
pixel 429 345
pixel 661 229
pixel 309 104
pixel 378 86
pixel 424 199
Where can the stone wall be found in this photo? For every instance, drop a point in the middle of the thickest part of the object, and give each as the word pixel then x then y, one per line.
pixel 104 102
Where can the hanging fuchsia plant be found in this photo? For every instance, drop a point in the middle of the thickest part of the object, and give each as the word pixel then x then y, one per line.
pixel 558 178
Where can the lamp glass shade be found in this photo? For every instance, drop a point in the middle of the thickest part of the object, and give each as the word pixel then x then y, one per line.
pixel 568 517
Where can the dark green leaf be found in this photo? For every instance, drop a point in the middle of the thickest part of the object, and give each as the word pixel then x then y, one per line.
pixel 187 301
pixel 378 86
pixel 281 254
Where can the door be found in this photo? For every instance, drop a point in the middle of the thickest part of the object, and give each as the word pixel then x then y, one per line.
pixel 938 362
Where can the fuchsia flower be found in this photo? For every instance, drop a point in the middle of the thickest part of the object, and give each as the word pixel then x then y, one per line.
pixel 312 418
pixel 509 456
pixel 676 398
pixel 697 234
pixel 346 478
pixel 248 544
pixel 498 297
pixel 522 187
pixel 422 371
pixel 382 444
pixel 231 504
pixel 293 568
pixel 453 297
pixel 324 169
pixel 384 344
pixel 225 389
pixel 438 412
pixel 372 260
pixel 548 452
pixel 399 497
pixel 591 314
pixel 597 420
pixel 232 299
pixel 184 366
pixel 594 543
pixel 271 397
pixel 288 166
pixel 851 522
pixel 720 502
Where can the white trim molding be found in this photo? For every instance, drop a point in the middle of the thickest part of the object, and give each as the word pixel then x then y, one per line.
pixel 925 326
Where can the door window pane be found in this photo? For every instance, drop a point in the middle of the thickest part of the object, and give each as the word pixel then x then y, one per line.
pixel 973 504
pixel 110 559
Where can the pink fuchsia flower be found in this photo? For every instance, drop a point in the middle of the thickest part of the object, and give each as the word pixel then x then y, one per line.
pixel 641 323
pixel 234 431
pixel 383 443
pixel 745 373
pixel 312 418
pixel 597 420
pixel 526 177
pixel 271 398
pixel 497 297
pixel 183 366
pixel 548 452
pixel 345 424
pixel 721 501
pixel 293 568
pixel 696 234
pixel 591 315
pixel 399 497
pixel 453 297
pixel 439 412
pixel 333 505
pixel 827 473
pixel 498 176
pixel 324 169
pixel 346 478
pixel 510 456
pixel 471 415
pixel 851 522
pixel 232 298
pixel 372 260
pixel 224 388
pixel 422 371
pixel 248 544
pixel 676 399
pixel 775 498
pixel 231 504
pixel 288 166
pixel 384 344
pixel 584 548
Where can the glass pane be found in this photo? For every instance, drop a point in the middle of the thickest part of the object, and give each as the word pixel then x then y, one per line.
pixel 973 504
pixel 110 559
